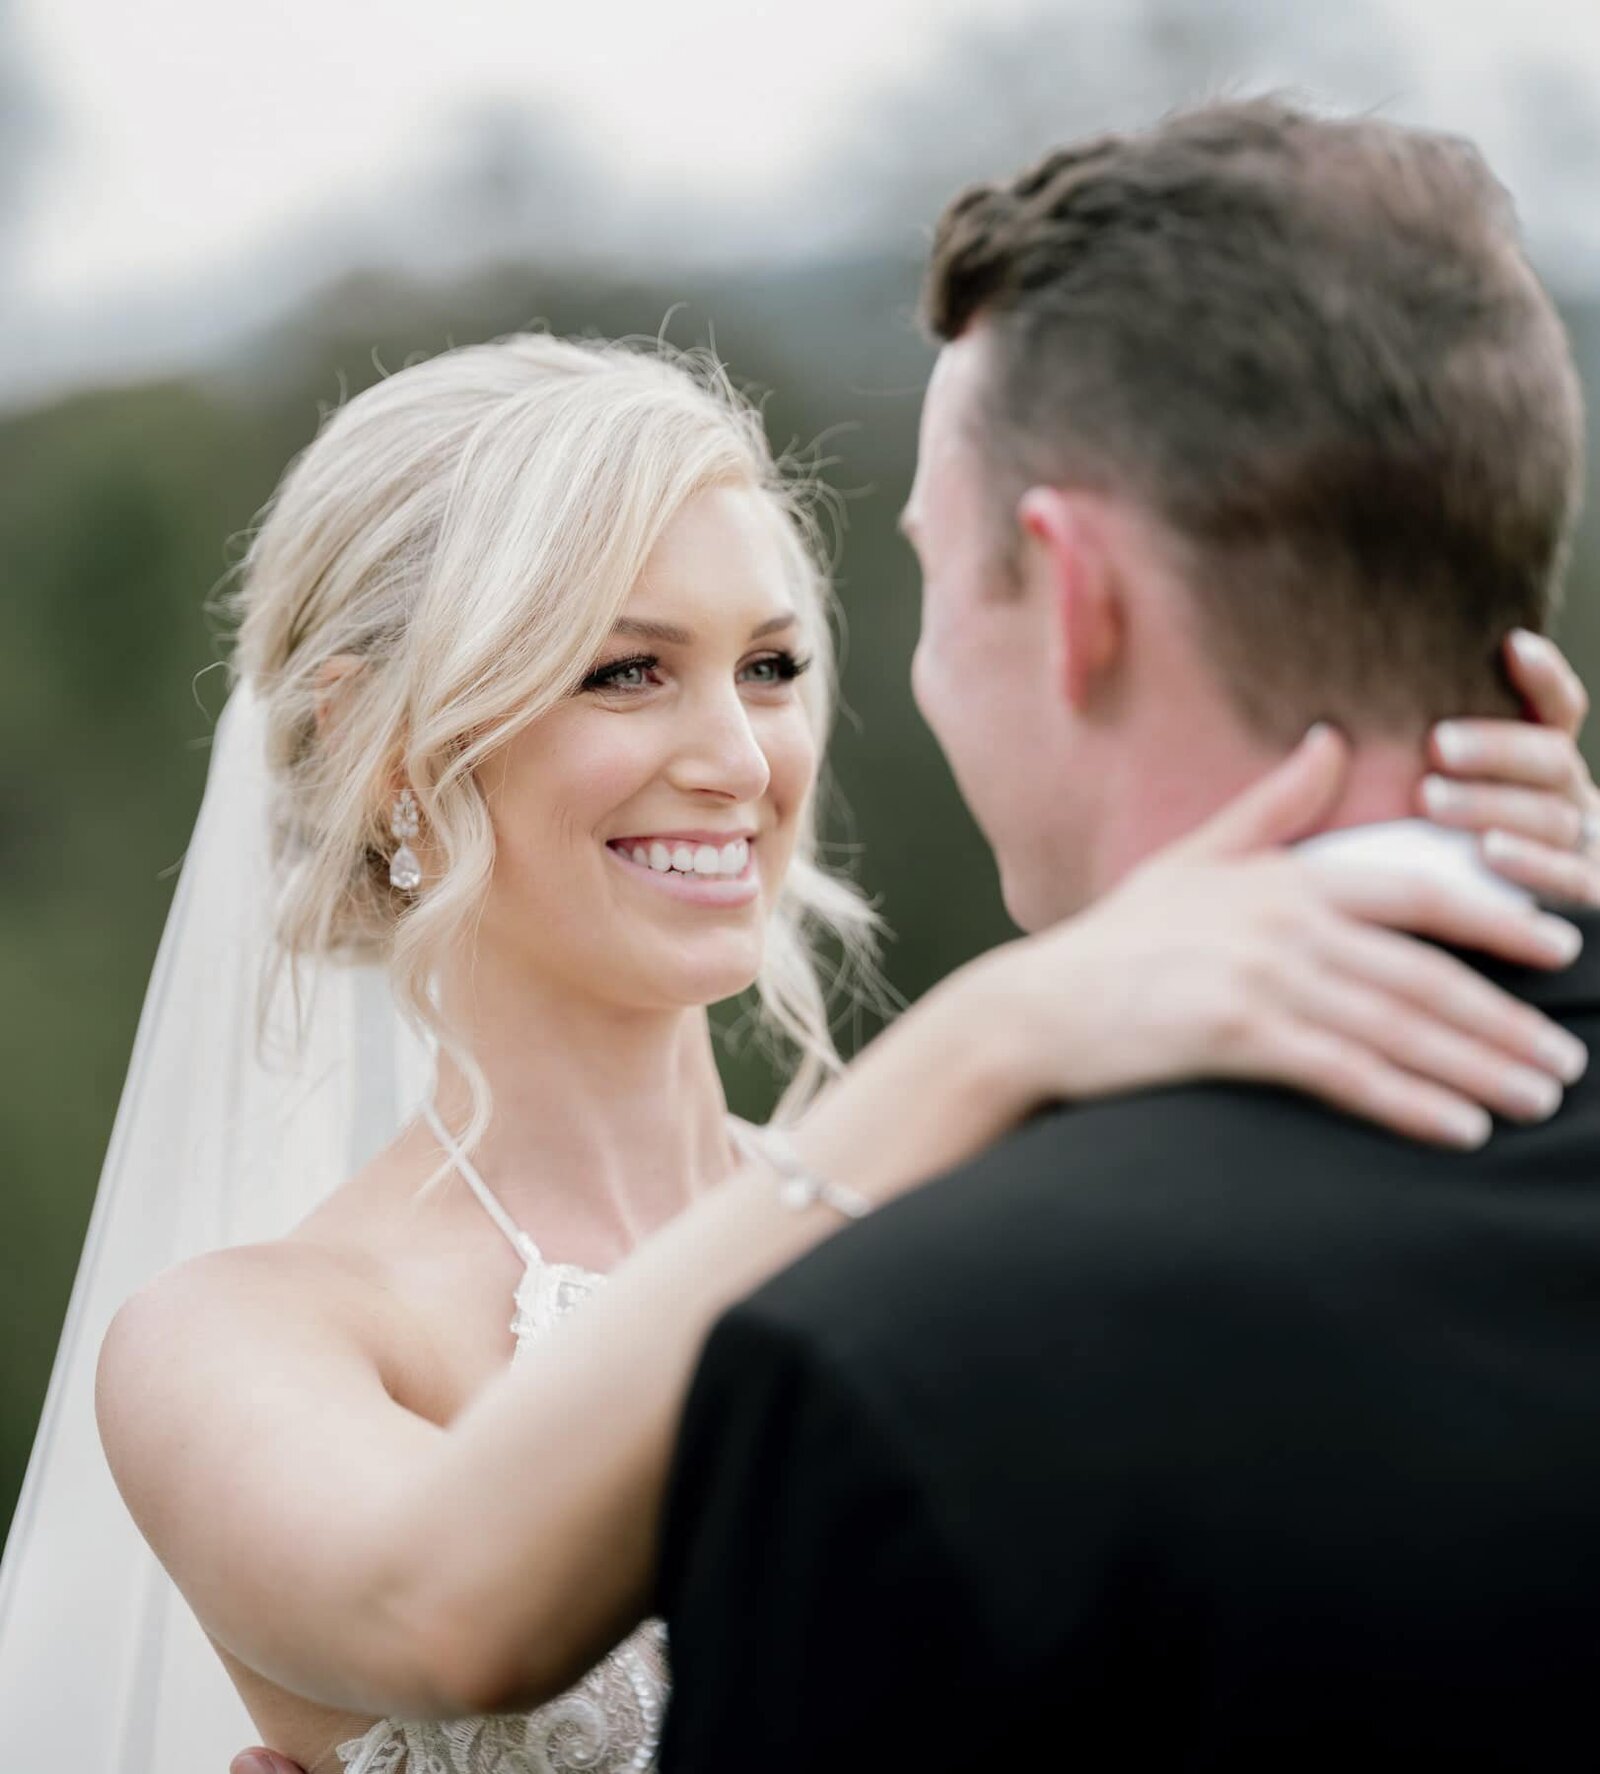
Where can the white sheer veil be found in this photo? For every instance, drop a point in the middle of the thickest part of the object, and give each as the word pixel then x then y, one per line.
pixel 217 1141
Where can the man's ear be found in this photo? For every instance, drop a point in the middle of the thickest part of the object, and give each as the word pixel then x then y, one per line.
pixel 330 675
pixel 1071 554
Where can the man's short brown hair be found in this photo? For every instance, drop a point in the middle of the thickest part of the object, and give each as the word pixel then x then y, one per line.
pixel 1314 349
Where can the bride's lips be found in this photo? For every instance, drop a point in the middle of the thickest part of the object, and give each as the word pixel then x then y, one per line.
pixel 706 890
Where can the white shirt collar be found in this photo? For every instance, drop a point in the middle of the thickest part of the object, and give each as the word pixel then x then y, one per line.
pixel 1421 847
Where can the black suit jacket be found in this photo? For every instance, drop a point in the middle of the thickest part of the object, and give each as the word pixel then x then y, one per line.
pixel 1203 1428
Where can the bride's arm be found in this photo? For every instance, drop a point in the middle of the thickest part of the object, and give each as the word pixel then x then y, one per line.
pixel 357 1554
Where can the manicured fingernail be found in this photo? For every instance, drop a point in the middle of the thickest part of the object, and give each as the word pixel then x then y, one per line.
pixel 1465 1125
pixel 1537 1095
pixel 1529 647
pixel 1500 846
pixel 1458 745
pixel 1564 1054
pixel 251 1764
pixel 1440 793
pixel 1561 940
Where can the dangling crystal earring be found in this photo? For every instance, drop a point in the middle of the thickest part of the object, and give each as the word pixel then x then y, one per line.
pixel 405 872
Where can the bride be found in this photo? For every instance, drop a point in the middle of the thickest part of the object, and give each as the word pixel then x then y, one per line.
pixel 533 671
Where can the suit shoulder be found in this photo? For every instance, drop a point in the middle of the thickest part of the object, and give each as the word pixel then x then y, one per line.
pixel 1140 1204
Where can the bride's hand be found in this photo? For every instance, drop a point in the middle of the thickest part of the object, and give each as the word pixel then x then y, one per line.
pixel 1211 961
pixel 1524 784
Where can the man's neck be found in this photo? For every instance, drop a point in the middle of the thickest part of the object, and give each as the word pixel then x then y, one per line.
pixel 1148 808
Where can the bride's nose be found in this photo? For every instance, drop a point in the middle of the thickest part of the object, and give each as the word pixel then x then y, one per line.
pixel 719 751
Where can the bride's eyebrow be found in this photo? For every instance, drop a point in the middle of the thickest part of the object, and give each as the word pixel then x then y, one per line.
pixel 668 634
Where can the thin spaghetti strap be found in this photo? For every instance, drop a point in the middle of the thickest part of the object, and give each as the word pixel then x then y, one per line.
pixel 521 1242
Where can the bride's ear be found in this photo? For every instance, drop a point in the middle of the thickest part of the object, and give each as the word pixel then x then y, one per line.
pixel 330 675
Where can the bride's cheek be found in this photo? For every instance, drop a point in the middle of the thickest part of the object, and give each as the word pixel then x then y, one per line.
pixel 794 778
pixel 792 758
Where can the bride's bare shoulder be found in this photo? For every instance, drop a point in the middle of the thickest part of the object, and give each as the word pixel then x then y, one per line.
pixel 326 1278
pixel 320 1281
pixel 227 1307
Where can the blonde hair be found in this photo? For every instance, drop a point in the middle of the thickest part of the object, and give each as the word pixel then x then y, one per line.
pixel 469 529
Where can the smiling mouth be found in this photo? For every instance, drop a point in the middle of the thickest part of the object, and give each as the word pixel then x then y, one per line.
pixel 697 884
pixel 697 861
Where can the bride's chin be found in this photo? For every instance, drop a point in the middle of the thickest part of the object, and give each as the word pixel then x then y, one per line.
pixel 659 969
pixel 697 986
pixel 715 988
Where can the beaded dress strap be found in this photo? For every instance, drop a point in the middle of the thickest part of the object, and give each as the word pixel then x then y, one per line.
pixel 520 1241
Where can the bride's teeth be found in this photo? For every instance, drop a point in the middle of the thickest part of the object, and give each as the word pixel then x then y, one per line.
pixel 709 861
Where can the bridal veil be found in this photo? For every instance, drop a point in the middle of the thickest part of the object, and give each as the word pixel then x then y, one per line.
pixel 219 1139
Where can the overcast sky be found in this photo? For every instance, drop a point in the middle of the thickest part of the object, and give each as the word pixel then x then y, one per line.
pixel 192 129
pixel 188 139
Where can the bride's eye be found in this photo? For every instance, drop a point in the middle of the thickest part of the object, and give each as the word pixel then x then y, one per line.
pixel 775 668
pixel 622 674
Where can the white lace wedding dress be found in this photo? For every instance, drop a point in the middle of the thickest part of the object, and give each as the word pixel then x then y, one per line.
pixel 610 1722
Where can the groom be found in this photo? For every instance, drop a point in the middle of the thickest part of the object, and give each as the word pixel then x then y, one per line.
pixel 1203 1428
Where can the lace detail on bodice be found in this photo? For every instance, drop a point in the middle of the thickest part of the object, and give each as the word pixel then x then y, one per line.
pixel 610 1723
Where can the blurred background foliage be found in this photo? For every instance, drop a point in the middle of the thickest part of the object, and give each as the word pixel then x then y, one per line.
pixel 124 499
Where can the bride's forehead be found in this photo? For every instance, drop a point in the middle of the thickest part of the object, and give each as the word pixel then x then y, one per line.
pixel 718 563
pixel 721 523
